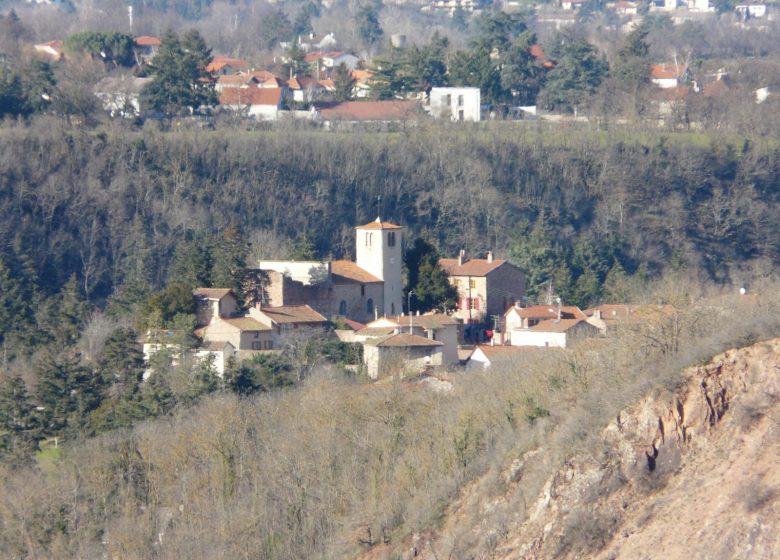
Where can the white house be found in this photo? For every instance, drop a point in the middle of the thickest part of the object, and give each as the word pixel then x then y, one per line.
pixel 546 325
pixel 456 103
pixel 258 102
pixel 750 11
pixel 670 75
pixel 336 58
pixel 487 356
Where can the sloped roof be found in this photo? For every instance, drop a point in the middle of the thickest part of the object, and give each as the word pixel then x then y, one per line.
pixel 293 314
pixel 379 224
pixel 553 325
pixel 313 56
pixel 372 332
pixel 369 110
pixel 251 96
pixel 547 312
pixel 471 267
pixel 215 346
pixel 403 340
pixel 148 41
pixel 354 325
pixel 212 293
pixel 667 71
pixel 347 271
pixel 427 321
pixel 219 62
pixel 235 80
pixel 260 75
pixel 540 57
pixel 610 310
pixel 247 324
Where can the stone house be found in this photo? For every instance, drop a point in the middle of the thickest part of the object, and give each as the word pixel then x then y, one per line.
pixel 433 326
pixel 486 287
pixel 403 353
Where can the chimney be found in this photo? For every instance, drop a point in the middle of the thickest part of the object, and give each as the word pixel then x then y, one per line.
pixel 490 256
pixel 460 257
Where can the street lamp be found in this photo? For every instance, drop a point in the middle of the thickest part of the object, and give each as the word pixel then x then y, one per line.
pixel 409 308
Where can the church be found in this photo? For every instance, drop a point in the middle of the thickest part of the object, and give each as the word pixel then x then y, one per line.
pixel 363 290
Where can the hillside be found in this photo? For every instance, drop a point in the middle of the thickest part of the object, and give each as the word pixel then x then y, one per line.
pixel 686 473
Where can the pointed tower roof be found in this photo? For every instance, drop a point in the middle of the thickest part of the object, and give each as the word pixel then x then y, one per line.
pixel 379 224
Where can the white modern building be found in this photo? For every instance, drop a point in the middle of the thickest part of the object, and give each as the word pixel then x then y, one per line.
pixel 459 104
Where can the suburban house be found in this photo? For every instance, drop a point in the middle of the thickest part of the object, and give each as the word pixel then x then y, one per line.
pixel 670 75
pixel 50 49
pixel 402 352
pixel 313 42
pixel 486 287
pixel 433 326
pixel 455 103
pixel 546 325
pixel 120 95
pixel 224 65
pixel 260 103
pixel 305 89
pixel 146 48
pixel 336 58
pixel 362 290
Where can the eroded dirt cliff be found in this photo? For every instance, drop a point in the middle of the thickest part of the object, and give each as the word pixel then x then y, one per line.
pixel 692 472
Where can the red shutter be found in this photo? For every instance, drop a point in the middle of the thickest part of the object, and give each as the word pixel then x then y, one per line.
pixel 476 303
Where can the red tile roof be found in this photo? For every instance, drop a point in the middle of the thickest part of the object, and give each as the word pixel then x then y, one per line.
pixel 379 224
pixel 251 96
pixel 538 54
pixel 260 75
pixel 148 41
pixel 219 62
pixel 471 267
pixel 236 80
pixel 426 321
pixel 369 110
pixel 354 325
pixel 313 56
pixel 554 325
pixel 547 312
pixel 347 272
pixel 667 71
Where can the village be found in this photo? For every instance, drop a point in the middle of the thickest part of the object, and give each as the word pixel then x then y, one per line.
pixel 313 79
pixel 363 302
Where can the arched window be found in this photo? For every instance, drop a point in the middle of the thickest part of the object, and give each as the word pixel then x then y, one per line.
pixel 392 308
pixel 343 307
pixel 370 307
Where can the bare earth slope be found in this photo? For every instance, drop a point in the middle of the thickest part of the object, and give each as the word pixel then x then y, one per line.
pixel 688 473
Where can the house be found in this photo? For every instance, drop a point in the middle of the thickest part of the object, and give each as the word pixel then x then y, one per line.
pixel 434 326
pixel 218 353
pixel 553 333
pixel 243 333
pixel 211 303
pixel 671 75
pixel 486 356
pixel 404 352
pixel 236 81
pixel 289 321
pixel 335 59
pixel 305 89
pixel 314 42
pixel 486 287
pixel 626 8
pixel 260 103
pixel 607 317
pixel 225 65
pixel 455 103
pixel 368 111
pixel 362 290
pixel 518 317
pixel 362 87
pixel 146 48
pixel 51 49
pixel 120 95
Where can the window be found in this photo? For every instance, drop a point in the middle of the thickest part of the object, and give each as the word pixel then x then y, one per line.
pixel 392 309
pixel 343 307
pixel 268 344
pixel 460 102
pixel 370 307
pixel 472 283
pixel 448 100
pixel 362 290
pixel 391 239
pixel 256 345
pixel 369 237
pixel 257 335
pixel 461 115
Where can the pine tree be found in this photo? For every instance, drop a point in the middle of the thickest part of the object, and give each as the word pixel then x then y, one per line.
pixel 191 263
pixel 343 83
pixel 19 426
pixel 230 252
pixel 369 30
pixel 429 283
